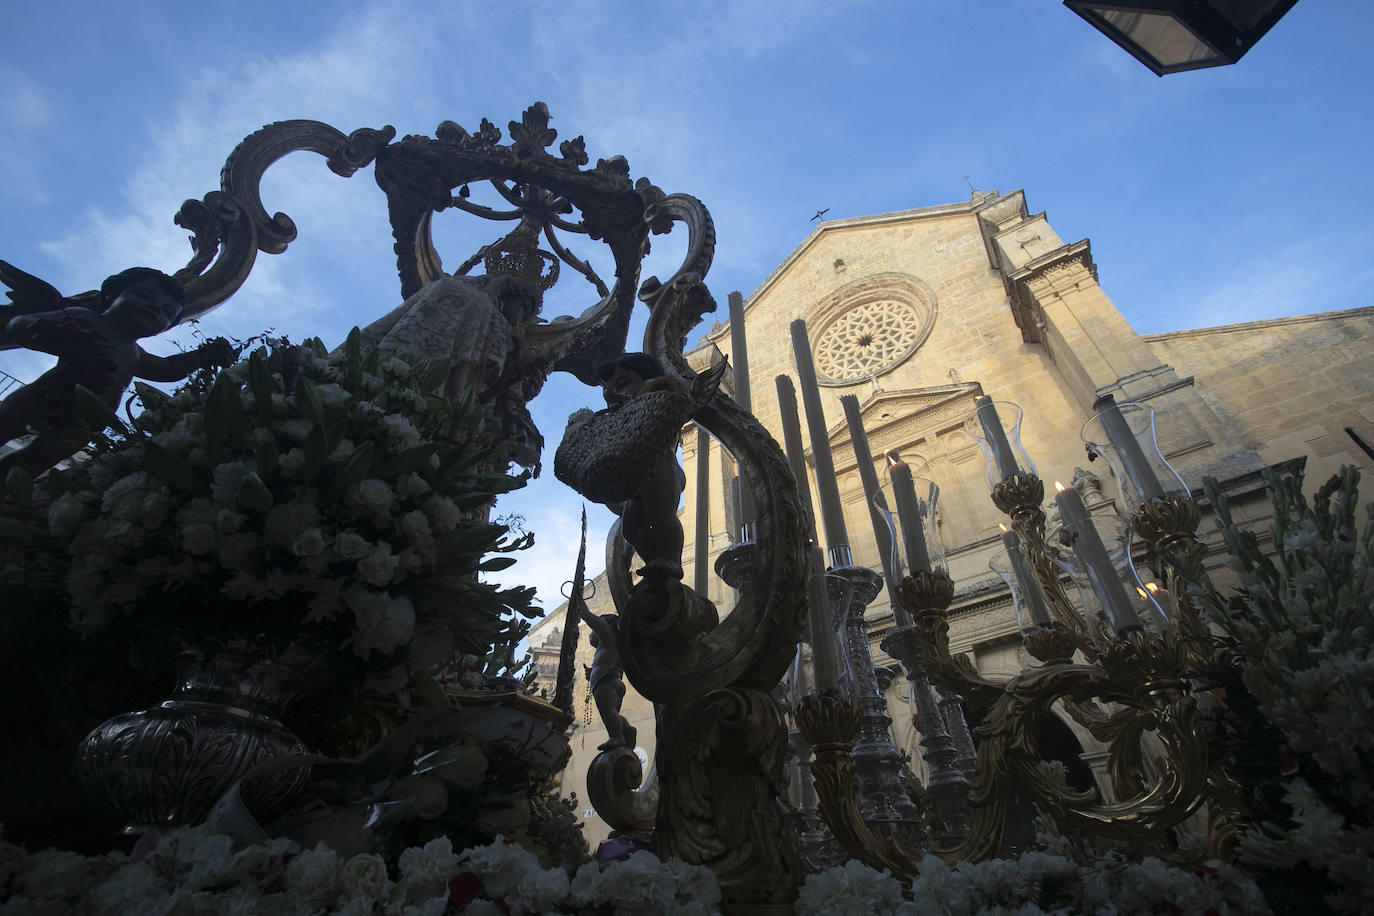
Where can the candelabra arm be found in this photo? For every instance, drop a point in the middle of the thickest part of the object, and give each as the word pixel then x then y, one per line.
pixel 1020 496
pixel 1170 526
pixel 1143 672
pixel 927 596
pixel 830 724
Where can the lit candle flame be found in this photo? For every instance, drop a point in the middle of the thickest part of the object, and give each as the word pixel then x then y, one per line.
pixel 893 458
pixel 1002 526
pixel 1153 587
pixel 1059 486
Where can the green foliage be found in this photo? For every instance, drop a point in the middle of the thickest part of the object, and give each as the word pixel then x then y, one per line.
pixel 1303 622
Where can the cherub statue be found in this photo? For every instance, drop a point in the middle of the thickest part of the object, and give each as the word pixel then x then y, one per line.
pixel 648 521
pixel 608 679
pixel 95 339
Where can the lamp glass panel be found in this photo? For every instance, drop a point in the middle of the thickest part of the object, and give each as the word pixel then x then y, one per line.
pixel 1161 36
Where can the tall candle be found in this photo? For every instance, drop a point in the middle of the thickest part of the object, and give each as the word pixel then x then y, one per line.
pixel 908 514
pixel 792 445
pixel 1025 577
pixel 873 495
pixel 832 514
pixel 1098 564
pixel 702 534
pixel 739 358
pixel 1133 460
pixel 997 437
pixel 824 644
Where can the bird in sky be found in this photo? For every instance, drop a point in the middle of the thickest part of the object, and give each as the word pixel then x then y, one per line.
pixel 820 213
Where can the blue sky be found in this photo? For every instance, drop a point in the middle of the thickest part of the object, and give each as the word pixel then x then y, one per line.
pixel 1210 197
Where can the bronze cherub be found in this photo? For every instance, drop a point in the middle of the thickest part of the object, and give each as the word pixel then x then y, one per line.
pixel 94 336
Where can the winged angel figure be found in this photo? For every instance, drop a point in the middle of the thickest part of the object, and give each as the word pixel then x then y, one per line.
pixel 94 336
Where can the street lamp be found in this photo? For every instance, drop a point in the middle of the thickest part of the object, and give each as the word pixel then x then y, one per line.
pixel 1170 36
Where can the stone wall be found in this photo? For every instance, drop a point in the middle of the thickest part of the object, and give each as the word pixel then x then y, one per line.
pixel 1288 387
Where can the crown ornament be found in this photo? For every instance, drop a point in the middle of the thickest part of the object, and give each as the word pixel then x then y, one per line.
pixel 518 255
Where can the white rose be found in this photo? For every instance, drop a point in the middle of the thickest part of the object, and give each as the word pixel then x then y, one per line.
pixel 309 543
pixel 374 495
pixel 379 567
pixel 352 546
pixel 364 875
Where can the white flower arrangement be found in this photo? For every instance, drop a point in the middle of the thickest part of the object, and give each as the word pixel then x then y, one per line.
pixel 301 490
pixel 1303 624
pixel 191 870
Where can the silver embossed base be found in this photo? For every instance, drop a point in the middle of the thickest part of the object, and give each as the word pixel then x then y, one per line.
pixel 949 765
pixel 168 764
pixel 886 807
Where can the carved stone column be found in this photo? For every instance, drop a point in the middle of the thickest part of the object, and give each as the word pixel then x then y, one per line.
pixel 886 808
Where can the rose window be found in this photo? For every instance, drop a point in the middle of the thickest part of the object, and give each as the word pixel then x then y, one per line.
pixel 868 339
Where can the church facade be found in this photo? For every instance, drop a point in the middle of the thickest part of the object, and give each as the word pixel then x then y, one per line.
pixel 919 311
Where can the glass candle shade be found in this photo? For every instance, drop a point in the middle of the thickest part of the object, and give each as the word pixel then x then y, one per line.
pixel 1124 434
pixel 1096 553
pixel 996 427
pixel 911 506
pixel 1010 563
pixel 841 590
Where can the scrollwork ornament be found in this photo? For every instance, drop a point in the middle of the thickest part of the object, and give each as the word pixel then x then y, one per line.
pixel 613 780
pixel 718 760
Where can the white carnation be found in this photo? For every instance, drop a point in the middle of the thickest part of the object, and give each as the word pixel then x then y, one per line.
pixel 415 526
pixel 228 477
pixel 312 877
pixel 412 485
pixel 442 512
pixel 384 622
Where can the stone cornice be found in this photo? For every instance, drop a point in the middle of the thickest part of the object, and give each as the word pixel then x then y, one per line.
pixel 1040 272
pixel 1362 312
